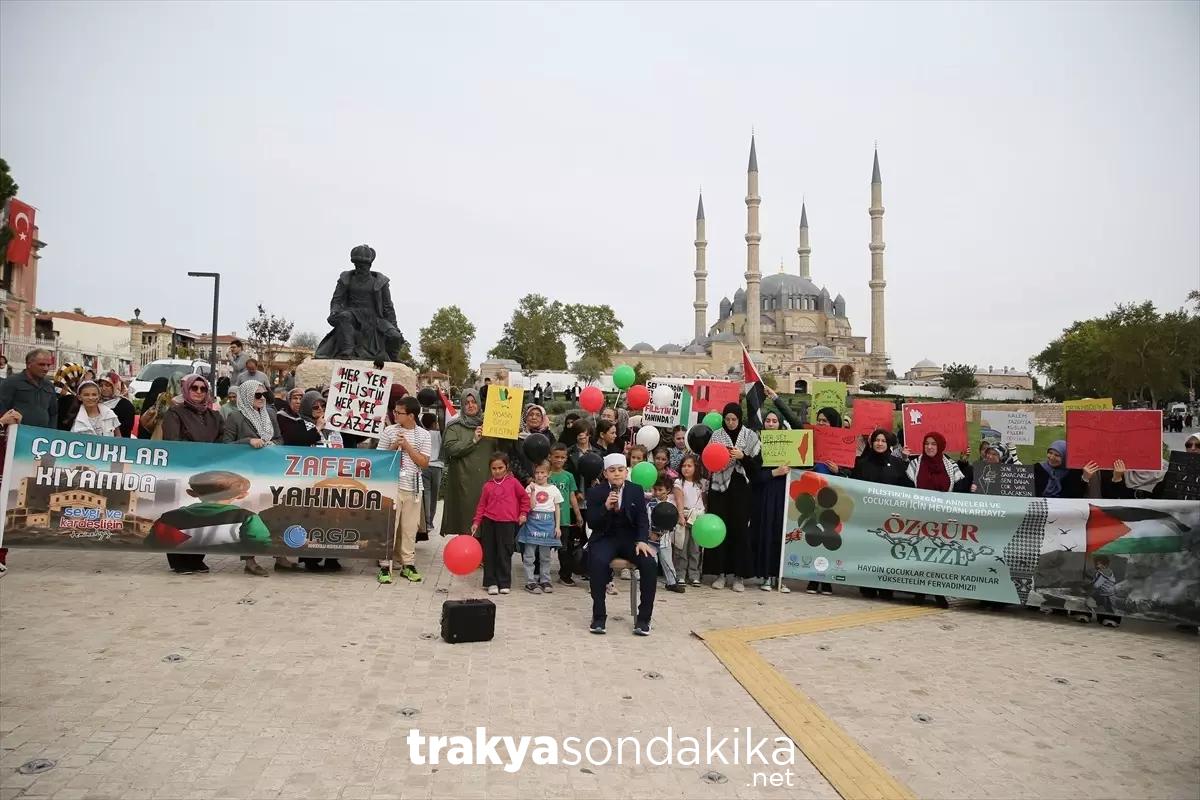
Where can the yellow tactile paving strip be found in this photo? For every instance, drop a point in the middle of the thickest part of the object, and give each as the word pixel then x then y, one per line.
pixel 848 768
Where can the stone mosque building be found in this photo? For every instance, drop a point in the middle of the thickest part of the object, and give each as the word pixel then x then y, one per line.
pixel 798 331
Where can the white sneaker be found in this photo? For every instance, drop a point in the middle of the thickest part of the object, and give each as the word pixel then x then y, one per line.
pixel 505 590
pixel 766 585
pixel 719 583
pixel 738 586
pixel 493 590
pixel 783 589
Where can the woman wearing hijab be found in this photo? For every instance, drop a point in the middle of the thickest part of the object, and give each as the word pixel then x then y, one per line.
pixel 878 464
pixel 67 380
pixel 766 521
pixel 829 417
pixel 294 429
pixel 934 471
pixel 192 420
pixel 149 415
pixel 112 397
pixel 1051 478
pixel 253 422
pixel 466 452
pixel 535 421
pixel 729 497
pixel 569 433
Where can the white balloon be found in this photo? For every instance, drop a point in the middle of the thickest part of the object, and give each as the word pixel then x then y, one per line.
pixel 648 438
pixel 635 421
pixel 664 395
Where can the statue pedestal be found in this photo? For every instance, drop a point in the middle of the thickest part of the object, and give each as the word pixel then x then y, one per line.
pixel 318 372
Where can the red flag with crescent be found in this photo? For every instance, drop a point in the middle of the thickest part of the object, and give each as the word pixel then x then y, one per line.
pixel 20 222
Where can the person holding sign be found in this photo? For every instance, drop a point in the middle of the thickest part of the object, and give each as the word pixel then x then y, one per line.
pixel 934 471
pixel 766 522
pixel 466 451
pixel 415 448
pixel 729 497
pixel 1051 478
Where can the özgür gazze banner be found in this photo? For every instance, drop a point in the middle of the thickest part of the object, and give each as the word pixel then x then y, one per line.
pixel 1135 558
pixel 71 490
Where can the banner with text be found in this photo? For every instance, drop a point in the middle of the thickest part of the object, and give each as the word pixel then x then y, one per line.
pixel 1136 558
pixel 677 412
pixel 71 490
pixel 502 415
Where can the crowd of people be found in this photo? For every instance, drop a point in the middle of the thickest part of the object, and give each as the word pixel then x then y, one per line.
pixel 542 493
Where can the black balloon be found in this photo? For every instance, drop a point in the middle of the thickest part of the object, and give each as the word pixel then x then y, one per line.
pixel 427 396
pixel 590 466
pixel 664 517
pixel 536 447
pixel 827 497
pixel 697 438
pixel 831 540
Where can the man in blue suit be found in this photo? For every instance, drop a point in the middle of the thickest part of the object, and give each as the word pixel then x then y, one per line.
pixel 620 524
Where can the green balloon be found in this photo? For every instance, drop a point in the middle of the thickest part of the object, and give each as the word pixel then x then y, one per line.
pixel 624 376
pixel 708 531
pixel 644 475
pixel 713 420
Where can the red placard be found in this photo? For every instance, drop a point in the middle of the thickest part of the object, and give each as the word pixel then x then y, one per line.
pixel 714 395
pixel 1104 436
pixel 948 419
pixel 867 415
pixel 834 444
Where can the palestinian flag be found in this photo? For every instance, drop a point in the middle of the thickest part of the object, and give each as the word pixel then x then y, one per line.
pixel 207 525
pixel 450 409
pixel 1128 530
pixel 756 395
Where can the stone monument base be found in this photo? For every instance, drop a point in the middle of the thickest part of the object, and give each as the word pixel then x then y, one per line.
pixel 317 372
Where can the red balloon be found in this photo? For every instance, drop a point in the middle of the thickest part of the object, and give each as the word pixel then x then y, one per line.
pixel 591 400
pixel 462 554
pixel 715 457
pixel 637 397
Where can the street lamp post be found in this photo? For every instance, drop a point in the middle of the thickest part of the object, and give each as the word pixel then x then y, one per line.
pixel 212 363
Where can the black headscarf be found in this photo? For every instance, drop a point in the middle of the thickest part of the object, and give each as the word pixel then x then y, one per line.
pixel 156 388
pixel 879 458
pixel 736 410
pixel 830 413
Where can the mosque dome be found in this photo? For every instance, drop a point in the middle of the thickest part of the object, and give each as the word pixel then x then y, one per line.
pixel 670 348
pixel 695 349
pixel 785 283
pixel 642 347
pixel 926 364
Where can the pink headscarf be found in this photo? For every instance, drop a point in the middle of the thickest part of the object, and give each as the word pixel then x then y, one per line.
pixel 186 392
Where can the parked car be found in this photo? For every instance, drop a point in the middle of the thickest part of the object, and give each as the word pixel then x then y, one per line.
pixel 169 368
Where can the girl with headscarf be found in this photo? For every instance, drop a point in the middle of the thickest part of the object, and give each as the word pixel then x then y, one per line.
pixel 90 415
pixel 766 521
pixel 253 422
pixel 112 396
pixel 66 380
pixel 466 452
pixel 829 416
pixel 192 420
pixel 1052 478
pixel 729 497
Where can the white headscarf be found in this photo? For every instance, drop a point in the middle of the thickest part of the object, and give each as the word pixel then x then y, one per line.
pixel 259 418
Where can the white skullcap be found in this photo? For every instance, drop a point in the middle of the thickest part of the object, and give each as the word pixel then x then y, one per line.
pixel 614 460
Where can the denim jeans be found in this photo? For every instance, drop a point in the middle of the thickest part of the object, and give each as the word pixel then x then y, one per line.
pixel 528 553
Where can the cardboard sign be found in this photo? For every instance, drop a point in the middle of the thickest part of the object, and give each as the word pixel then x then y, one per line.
pixel 714 395
pixel 358 400
pixel 948 419
pixel 1182 481
pixel 871 414
pixel 1135 437
pixel 1088 404
pixel 830 394
pixel 502 417
pixel 1006 480
pixel 838 445
pixel 679 412
pixel 1015 427
pixel 791 447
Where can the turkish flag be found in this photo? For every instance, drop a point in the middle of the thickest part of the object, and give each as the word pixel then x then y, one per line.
pixel 20 222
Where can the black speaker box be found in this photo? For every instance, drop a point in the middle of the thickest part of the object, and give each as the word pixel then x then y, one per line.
pixel 468 621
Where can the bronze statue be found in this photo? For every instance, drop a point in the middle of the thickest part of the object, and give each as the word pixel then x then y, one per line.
pixel 362 314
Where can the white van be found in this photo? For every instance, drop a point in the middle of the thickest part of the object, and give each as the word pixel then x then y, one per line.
pixel 169 368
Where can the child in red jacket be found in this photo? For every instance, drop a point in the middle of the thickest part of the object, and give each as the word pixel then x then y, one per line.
pixel 503 507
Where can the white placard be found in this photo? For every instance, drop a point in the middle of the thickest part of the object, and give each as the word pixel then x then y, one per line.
pixel 1016 427
pixel 358 400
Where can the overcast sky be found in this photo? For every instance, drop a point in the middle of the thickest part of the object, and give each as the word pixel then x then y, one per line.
pixel 1040 161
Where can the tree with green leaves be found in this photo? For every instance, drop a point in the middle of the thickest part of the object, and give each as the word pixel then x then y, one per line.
pixel 446 341
pixel 533 336
pixel 874 387
pixel 640 373
pixel 959 380
pixel 594 331
pixel 267 334
pixel 8 190
pixel 587 369
pixel 1134 353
